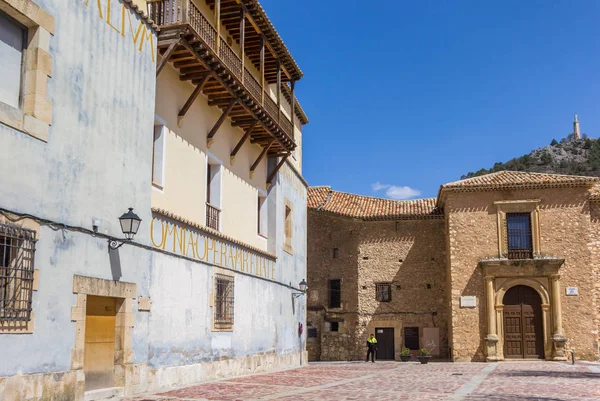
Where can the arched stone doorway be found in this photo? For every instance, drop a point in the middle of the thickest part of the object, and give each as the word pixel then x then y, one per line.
pixel 523 323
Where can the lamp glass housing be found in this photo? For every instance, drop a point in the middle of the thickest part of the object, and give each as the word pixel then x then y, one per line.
pixel 130 223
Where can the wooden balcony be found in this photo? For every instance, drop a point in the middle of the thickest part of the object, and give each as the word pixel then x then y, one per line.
pixel 189 41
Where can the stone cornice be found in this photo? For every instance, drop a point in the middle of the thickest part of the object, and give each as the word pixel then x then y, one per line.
pixel 211 232
pixel 547 266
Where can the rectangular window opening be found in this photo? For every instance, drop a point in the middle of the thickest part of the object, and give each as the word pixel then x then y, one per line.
pixel 213 195
pixel 158 154
pixel 262 220
pixel 12 44
pixel 336 253
pixel 335 326
pixel 17 248
pixel 518 234
pixel 288 228
pixel 312 332
pixel 335 293
pixel 411 338
pixel 224 302
pixel 384 292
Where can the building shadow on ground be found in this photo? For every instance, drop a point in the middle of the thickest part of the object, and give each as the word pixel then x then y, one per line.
pixel 551 374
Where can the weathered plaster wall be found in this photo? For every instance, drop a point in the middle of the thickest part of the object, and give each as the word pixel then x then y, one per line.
pixel 566 231
pixel 97 162
pixel 93 166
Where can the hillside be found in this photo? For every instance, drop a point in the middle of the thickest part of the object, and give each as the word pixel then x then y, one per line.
pixel 569 156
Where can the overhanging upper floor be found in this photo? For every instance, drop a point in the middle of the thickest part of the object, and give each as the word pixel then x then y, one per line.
pixel 207 57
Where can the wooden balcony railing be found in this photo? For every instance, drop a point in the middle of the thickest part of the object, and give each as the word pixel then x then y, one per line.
pixel 212 216
pixel 252 85
pixel 167 12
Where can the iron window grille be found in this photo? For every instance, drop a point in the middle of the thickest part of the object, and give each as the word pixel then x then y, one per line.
pixel 224 307
pixel 335 293
pixel 17 248
pixel 518 234
pixel 384 292
pixel 334 326
pixel 312 332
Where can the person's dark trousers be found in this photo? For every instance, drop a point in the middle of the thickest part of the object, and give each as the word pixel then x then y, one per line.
pixel 372 353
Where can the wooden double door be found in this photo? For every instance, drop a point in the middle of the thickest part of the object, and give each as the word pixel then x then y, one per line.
pixel 523 332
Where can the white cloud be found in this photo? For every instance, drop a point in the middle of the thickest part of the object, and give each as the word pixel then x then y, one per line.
pixel 379 186
pixel 396 192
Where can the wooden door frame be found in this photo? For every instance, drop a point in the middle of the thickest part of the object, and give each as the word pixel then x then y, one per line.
pixel 539 284
pixel 125 293
pixel 393 342
pixel 522 326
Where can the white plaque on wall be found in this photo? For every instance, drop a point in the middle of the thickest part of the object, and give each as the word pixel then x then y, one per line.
pixel 468 301
pixel 572 291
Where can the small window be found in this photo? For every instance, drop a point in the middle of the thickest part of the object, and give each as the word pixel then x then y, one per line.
pixel 262 215
pixel 213 195
pixel 335 293
pixel 17 247
pixel 288 226
pixel 518 234
pixel 411 338
pixel 223 302
pixel 336 253
pixel 312 332
pixel 384 292
pixel 158 154
pixel 334 326
pixel 12 43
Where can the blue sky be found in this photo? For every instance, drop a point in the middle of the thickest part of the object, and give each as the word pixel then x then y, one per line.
pixel 416 93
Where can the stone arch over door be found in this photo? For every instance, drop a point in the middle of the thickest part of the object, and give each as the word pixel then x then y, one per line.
pixel 539 285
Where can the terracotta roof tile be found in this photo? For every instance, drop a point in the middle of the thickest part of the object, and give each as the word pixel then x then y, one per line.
pixel 368 208
pixel 317 196
pixel 515 179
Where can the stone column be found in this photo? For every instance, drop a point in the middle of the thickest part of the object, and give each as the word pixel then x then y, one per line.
pixel 558 337
pixel 492 337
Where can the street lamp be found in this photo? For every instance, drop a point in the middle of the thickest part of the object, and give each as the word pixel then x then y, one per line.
pixel 303 287
pixel 130 223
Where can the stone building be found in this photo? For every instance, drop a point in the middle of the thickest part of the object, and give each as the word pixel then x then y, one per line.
pixel 502 266
pixel 195 127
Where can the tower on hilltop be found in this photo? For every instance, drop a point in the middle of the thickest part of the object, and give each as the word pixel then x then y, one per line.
pixel 576 133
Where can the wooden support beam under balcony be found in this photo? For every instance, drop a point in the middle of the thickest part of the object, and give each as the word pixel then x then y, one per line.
pixel 225 83
pixel 167 55
pixel 239 145
pixel 259 158
pixel 220 121
pixel 276 169
pixel 191 99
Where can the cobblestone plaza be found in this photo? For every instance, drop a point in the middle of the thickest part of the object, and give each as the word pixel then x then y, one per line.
pixel 527 380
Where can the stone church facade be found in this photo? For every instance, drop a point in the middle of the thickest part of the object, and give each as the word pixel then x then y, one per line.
pixel 502 266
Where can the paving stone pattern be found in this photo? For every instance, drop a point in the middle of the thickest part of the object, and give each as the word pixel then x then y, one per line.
pixel 539 381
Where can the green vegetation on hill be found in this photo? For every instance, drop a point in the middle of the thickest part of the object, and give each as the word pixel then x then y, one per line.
pixel 569 156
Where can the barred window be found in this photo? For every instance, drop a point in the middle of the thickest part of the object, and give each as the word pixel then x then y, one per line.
pixel 17 247
pixel 384 292
pixel 312 332
pixel 518 234
pixel 223 302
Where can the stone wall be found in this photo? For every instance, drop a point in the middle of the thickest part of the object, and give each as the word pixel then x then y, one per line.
pixel 566 231
pixel 409 254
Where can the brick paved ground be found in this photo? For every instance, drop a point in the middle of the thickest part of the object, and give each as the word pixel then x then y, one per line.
pixel 547 381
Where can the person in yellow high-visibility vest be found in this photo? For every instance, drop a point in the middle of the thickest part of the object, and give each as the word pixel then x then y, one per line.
pixel 371 347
